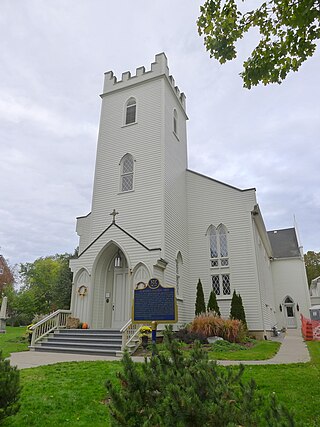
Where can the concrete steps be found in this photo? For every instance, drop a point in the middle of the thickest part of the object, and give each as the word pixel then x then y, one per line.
pixel 82 341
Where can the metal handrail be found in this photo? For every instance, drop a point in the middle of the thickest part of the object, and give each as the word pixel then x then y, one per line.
pixel 55 320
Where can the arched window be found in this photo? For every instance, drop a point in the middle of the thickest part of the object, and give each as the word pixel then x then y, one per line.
pixel 223 245
pixel 179 263
pixel 219 259
pixel 131 110
pixel 218 246
pixel 175 121
pixel 213 246
pixel 126 173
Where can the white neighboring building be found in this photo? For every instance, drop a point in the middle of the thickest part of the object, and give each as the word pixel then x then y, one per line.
pixel 172 223
pixel 315 291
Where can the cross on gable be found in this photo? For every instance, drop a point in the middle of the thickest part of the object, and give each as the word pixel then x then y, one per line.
pixel 114 213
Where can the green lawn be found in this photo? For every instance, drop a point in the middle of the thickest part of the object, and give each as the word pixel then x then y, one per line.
pixel 261 350
pixel 64 394
pixel 296 385
pixel 74 393
pixel 15 339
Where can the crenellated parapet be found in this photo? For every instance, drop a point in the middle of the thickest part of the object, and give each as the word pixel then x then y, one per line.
pixel 158 68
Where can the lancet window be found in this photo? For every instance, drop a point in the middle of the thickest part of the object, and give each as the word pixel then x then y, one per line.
pixel 175 121
pixel 219 260
pixel 126 172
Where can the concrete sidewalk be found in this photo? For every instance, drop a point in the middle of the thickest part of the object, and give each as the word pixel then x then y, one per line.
pixel 292 350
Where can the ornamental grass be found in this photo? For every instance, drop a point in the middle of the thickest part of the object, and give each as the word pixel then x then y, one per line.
pixel 209 324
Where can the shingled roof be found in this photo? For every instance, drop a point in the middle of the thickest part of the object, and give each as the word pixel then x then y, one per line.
pixel 284 243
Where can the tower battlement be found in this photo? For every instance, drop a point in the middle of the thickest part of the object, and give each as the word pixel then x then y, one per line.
pixel 158 68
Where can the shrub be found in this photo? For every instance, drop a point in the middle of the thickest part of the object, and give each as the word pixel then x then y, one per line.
pixel 9 389
pixel 200 304
pixel 20 320
pixel 174 390
pixel 237 309
pixel 188 337
pixel 213 304
pixel 210 324
pixel 222 345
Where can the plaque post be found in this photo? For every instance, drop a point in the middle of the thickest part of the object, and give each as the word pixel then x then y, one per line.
pixel 154 332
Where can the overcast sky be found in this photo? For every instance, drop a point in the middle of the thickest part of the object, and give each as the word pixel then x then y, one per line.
pixel 52 59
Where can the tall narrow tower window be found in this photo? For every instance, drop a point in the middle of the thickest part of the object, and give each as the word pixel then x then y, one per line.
pixel 126 171
pixel 179 263
pixel 131 110
pixel 175 121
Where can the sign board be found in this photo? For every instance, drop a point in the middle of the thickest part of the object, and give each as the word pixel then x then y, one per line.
pixel 154 303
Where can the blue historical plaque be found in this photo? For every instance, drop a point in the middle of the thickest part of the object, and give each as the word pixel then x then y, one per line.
pixel 154 303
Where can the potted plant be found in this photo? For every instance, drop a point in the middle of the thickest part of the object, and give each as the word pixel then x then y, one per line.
pixel 145 331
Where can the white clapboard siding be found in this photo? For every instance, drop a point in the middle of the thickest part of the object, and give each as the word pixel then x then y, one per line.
pixel 84 231
pixel 268 305
pixel 140 211
pixel 288 275
pixel 211 202
pixel 168 212
pixel 175 199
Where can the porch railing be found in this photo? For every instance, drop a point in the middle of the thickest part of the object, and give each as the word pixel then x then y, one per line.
pixel 130 333
pixel 55 320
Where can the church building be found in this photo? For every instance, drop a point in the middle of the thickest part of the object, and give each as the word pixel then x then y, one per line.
pixel 152 217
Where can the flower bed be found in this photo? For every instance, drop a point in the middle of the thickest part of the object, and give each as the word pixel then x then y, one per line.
pixel 209 324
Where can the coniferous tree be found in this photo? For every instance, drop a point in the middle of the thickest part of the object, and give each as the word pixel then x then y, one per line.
pixel 10 389
pixel 237 309
pixel 242 314
pixel 213 304
pixel 234 306
pixel 171 389
pixel 200 304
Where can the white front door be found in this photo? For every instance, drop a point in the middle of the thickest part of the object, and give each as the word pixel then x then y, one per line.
pixel 120 305
pixel 289 308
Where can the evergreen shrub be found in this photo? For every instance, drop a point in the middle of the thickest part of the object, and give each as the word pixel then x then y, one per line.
pixel 200 304
pixel 171 390
pixel 210 324
pixel 222 345
pixel 237 309
pixel 9 389
pixel 213 304
pixel 188 337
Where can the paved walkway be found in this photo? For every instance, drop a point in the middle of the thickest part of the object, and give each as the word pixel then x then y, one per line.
pixel 292 350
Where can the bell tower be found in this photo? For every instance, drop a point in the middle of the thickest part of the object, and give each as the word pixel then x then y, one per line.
pixel 141 154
